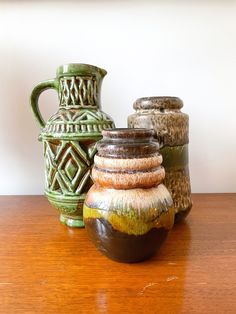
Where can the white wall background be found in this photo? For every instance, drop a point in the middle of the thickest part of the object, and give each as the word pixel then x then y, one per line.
pixel 179 48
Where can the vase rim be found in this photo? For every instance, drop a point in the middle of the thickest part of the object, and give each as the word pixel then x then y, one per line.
pixel 127 133
pixel 80 69
pixel 158 102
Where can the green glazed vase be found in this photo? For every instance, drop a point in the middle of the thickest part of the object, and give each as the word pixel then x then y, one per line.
pixel 69 137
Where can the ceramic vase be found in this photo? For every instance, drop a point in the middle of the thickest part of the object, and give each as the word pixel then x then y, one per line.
pixel 69 137
pixel 171 126
pixel 128 212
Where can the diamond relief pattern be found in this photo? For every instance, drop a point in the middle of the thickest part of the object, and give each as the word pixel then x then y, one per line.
pixel 71 169
pixel 76 89
pixel 68 166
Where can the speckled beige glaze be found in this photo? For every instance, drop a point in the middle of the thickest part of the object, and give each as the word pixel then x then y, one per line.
pixel 178 184
pixel 128 180
pixel 128 164
pixel 171 126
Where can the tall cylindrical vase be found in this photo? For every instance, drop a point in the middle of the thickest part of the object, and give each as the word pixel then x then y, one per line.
pixel 69 137
pixel 171 126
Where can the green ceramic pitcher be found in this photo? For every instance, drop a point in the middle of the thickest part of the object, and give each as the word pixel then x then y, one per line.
pixel 69 137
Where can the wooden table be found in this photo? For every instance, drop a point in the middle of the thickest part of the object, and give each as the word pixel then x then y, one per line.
pixel 46 267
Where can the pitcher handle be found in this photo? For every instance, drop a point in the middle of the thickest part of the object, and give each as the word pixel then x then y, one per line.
pixel 34 97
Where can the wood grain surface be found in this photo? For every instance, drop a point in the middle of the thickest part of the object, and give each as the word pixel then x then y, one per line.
pixel 46 267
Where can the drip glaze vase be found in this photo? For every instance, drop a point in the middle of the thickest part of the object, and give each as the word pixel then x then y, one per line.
pixel 69 137
pixel 171 126
pixel 128 212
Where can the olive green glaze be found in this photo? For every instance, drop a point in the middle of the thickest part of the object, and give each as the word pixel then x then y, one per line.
pixel 164 116
pixel 175 157
pixel 69 137
pixel 175 161
pixel 126 217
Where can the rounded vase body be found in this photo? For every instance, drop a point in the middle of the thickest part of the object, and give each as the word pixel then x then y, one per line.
pixel 69 137
pixel 171 126
pixel 128 212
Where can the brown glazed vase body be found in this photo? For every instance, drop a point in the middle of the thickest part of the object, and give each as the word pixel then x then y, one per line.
pixel 128 212
pixel 171 126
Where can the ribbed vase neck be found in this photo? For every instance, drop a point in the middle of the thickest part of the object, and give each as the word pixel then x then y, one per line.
pixel 127 143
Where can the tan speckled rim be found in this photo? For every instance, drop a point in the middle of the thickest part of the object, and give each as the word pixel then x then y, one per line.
pixel 128 164
pixel 122 180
